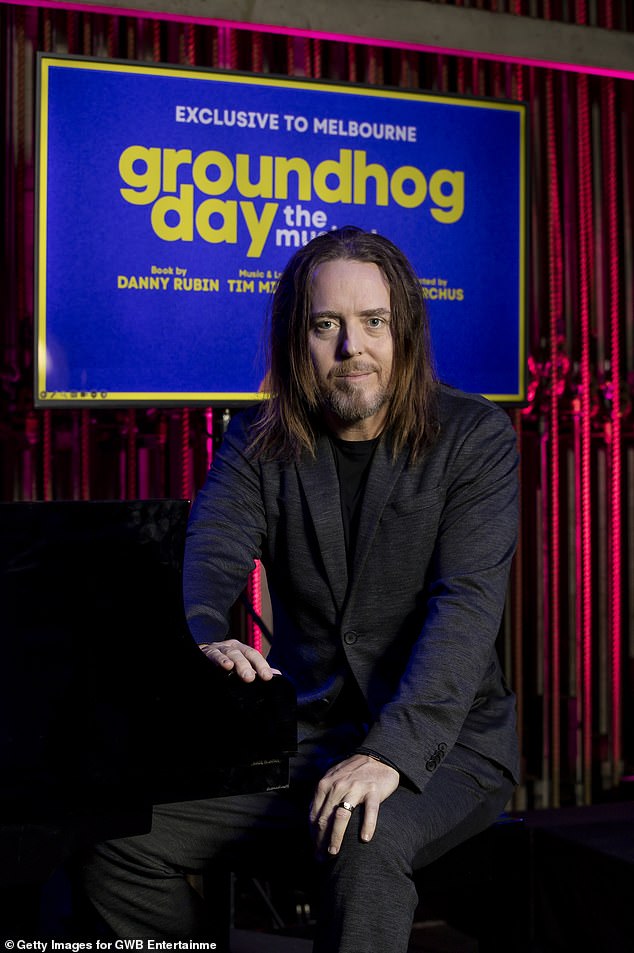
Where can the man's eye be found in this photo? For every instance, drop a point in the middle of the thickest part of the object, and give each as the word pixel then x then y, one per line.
pixel 375 322
pixel 325 325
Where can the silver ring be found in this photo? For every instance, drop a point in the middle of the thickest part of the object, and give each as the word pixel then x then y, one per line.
pixel 347 806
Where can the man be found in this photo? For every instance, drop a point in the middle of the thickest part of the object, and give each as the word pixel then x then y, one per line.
pixel 384 509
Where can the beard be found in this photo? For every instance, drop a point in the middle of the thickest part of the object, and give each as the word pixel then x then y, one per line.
pixel 352 402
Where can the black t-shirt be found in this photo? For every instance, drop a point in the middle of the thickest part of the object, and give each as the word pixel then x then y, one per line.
pixel 352 459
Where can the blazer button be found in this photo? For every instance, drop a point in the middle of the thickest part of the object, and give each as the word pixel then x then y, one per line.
pixel 350 637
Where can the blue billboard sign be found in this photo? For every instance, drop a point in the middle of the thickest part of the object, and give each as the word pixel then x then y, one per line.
pixel 170 199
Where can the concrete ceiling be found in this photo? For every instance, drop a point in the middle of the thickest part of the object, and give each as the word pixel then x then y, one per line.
pixel 415 24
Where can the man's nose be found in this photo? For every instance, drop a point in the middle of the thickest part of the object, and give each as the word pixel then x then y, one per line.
pixel 351 342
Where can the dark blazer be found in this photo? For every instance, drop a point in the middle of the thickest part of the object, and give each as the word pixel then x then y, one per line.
pixel 418 615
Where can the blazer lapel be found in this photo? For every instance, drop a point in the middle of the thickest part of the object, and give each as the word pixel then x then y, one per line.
pixel 321 488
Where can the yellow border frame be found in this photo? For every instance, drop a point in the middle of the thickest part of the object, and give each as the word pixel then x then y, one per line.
pixel 175 399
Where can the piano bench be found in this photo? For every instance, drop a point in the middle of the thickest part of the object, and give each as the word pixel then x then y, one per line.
pixel 480 889
pixel 242 906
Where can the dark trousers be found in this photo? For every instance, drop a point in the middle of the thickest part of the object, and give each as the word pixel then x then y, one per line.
pixel 139 887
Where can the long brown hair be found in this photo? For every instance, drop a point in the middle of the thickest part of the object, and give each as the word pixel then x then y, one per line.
pixel 289 421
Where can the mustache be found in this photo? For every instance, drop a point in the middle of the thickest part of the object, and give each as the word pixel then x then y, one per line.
pixel 353 367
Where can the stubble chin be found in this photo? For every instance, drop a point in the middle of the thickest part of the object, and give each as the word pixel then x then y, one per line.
pixel 350 406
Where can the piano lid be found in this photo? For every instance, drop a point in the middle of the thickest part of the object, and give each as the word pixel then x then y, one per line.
pixel 103 694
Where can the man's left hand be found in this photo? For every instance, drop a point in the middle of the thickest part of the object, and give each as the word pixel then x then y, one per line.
pixel 361 782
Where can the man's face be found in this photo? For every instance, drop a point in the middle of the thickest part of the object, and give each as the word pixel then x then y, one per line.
pixel 350 341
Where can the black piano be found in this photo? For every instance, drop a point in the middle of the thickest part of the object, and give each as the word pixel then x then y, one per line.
pixel 106 705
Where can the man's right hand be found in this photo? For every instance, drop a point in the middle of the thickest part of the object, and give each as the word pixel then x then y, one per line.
pixel 235 656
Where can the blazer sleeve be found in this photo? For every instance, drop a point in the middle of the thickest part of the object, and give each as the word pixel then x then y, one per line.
pixel 452 678
pixel 224 537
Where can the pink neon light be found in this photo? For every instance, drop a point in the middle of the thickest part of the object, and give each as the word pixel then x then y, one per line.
pixel 47 454
pixel 555 302
pixel 579 637
pixel 547 571
pixel 255 597
pixel 323 35
pixel 84 443
pixel 186 463
pixel 586 270
pixel 615 614
pixel 209 446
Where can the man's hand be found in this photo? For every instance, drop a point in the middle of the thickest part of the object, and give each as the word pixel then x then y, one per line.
pixel 360 781
pixel 235 656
